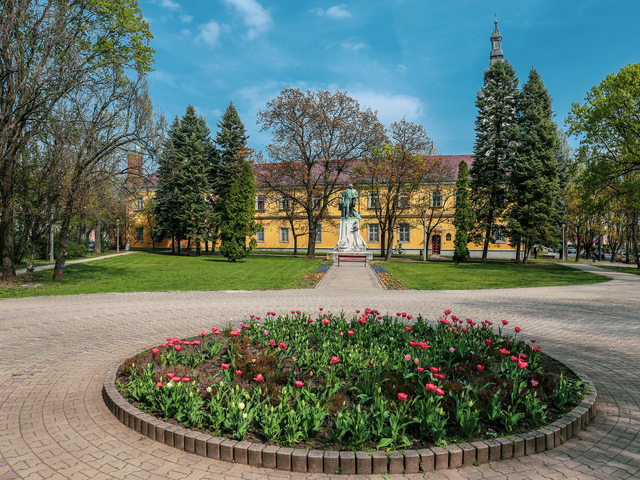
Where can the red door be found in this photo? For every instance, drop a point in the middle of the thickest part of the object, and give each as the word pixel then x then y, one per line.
pixel 435 245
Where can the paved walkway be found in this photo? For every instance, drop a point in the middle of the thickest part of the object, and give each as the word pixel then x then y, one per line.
pixel 55 351
pixel 51 266
pixel 352 277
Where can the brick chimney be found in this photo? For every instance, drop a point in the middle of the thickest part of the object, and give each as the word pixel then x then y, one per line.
pixel 134 168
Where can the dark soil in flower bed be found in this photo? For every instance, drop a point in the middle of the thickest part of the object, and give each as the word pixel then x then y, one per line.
pixel 371 382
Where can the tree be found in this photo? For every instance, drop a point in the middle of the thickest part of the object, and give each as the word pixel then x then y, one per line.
pixel 391 173
pixel 608 124
pixel 317 139
pixel 238 217
pixel 533 180
pixel 565 166
pixel 226 162
pixel 495 145
pixel 48 49
pixel 464 217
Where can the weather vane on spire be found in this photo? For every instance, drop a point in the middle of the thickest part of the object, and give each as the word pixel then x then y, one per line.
pixel 495 18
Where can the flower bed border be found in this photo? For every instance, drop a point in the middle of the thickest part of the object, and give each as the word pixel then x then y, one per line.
pixel 349 462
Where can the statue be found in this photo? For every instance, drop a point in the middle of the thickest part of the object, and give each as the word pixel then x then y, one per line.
pixel 350 239
pixel 348 203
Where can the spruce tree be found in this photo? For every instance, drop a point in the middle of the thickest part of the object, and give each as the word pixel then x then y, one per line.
pixel 464 218
pixel 238 216
pixel 496 136
pixel 533 189
pixel 225 161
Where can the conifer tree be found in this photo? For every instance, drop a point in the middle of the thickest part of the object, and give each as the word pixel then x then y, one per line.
pixel 464 217
pixel 230 140
pixel 183 179
pixel 533 189
pixel 238 216
pixel 496 137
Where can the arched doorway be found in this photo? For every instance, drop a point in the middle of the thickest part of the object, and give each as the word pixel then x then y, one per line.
pixel 435 245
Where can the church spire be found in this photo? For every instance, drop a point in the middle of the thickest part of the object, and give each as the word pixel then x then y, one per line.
pixel 496 43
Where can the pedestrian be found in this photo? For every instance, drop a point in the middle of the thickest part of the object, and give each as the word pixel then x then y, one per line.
pixel 535 252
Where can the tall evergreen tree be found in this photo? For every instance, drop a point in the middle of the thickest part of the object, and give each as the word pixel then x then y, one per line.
pixel 183 185
pixel 496 136
pixel 464 217
pixel 238 216
pixel 533 188
pixel 564 165
pixel 225 161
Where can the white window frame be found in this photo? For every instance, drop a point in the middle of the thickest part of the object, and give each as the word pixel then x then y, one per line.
pixel 140 235
pixel 318 238
pixel 373 233
pixel 263 199
pixel 285 202
pixel 499 234
pixel 139 203
pixel 448 237
pixel 404 233
pixel 374 199
pixel 260 235
pixel 436 198
pixel 403 200
pixel 284 234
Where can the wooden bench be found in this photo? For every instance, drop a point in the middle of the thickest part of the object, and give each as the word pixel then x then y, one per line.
pixel 547 256
pixel 352 258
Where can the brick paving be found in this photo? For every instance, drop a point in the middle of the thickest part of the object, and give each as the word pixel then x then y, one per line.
pixel 55 351
pixel 354 277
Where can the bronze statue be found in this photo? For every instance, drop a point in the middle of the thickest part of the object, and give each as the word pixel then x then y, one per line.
pixel 348 203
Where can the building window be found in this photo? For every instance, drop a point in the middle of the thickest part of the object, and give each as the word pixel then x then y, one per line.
pixel 403 200
pixel 140 235
pixel 260 200
pixel 319 233
pixel 285 202
pixel 317 202
pixel 373 233
pixel 404 233
pixel 448 237
pixel 260 235
pixel 139 204
pixel 500 234
pixel 284 235
pixel 436 198
pixel 373 199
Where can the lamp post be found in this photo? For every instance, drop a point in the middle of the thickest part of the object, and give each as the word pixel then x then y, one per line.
pixel 118 235
pixel 424 241
pixel 564 246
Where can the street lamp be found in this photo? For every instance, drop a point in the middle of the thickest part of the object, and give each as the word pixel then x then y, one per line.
pixel 118 235
pixel 564 246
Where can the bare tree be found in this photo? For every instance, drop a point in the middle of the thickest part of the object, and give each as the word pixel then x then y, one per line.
pixel 317 138
pixel 391 173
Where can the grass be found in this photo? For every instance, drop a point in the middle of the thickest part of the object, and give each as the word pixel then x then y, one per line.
pixel 150 272
pixel 475 275
pixel 633 271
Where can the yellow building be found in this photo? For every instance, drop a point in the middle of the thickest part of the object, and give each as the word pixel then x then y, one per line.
pixel 428 214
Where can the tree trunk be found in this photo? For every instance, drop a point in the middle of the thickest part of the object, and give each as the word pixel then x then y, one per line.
pixel 518 244
pixel 527 249
pixel 188 246
pixel 31 263
pixel 206 246
pixel 98 231
pixel 634 238
pixel 173 245
pixel 6 246
pixel 295 244
pixel 485 247
pixel 578 248
pixel 179 245
pixel 198 248
pixel 389 246
pixel 213 241
pixel 81 232
pixel 428 240
pixel 23 243
pixel 311 245
pixel 383 244
pixel 58 271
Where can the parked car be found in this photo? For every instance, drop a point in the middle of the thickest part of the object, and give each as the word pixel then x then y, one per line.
pixel 91 246
pixel 571 251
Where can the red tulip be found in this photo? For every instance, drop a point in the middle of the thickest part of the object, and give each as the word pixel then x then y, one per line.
pixel 517 329
pixel 258 378
pixel 357 311
pixel 155 351
pixel 522 364
pixel 225 366
pixel 310 320
pixel 238 373
pixel 447 311
pixel 186 380
pixel 430 387
pixel 176 379
pixel 433 369
pixel 272 342
pixel 533 341
pixel 504 351
pixel 177 348
pixel 538 349
pixel 534 383
pixel 335 359
pixel 299 383
pixel 203 333
pixel 480 368
pixel 164 345
pixel 351 332
pixel 504 322
pixel 402 397
pixel 171 375
pixel 159 384
pixel 214 329
pixel 439 392
pixel 234 333
pixel 282 346
pixel 420 369
pixel 326 321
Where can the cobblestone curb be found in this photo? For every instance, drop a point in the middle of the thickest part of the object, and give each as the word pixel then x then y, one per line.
pixel 330 462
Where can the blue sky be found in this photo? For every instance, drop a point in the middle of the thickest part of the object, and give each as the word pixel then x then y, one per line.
pixel 422 59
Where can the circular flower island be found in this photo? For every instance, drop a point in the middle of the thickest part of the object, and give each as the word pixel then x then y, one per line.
pixel 372 393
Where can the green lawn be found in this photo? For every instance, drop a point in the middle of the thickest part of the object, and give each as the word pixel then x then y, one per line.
pixel 144 272
pixel 632 270
pixel 467 276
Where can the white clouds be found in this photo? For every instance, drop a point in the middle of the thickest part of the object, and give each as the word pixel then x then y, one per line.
pixel 335 12
pixel 209 33
pixel 354 47
pixel 186 18
pixel 185 33
pixel 170 4
pixel 255 16
pixel 391 107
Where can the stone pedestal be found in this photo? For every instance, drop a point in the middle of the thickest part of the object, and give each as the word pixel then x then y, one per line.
pixel 350 239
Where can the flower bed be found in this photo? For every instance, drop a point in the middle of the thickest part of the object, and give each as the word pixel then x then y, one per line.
pixel 369 382
pixel 312 278
pixel 387 278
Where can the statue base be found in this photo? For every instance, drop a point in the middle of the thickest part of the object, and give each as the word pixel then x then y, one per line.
pixel 350 240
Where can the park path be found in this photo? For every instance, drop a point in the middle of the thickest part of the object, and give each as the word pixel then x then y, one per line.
pixel 55 352
pixel 22 271
pixel 352 277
